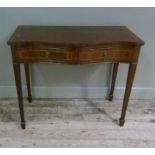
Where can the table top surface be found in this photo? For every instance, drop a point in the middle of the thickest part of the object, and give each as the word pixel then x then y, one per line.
pixel 74 35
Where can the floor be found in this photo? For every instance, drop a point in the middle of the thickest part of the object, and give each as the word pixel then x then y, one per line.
pixel 77 123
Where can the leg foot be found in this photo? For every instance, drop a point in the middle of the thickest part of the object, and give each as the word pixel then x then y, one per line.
pixel 29 99
pixel 23 124
pixel 121 122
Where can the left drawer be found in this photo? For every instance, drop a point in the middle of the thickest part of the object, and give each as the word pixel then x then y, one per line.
pixel 43 54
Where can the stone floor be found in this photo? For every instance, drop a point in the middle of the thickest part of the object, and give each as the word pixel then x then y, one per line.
pixel 77 123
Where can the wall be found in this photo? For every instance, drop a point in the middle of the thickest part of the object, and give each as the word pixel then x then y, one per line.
pixel 55 80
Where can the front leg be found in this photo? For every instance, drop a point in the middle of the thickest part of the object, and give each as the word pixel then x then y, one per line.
pixel 129 83
pixel 19 92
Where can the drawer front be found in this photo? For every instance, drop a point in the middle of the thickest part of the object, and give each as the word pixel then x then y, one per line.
pixel 87 54
pixel 44 54
pixel 109 53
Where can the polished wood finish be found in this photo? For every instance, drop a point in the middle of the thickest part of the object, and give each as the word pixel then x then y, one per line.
pixel 75 45
pixel 113 81
pixel 74 35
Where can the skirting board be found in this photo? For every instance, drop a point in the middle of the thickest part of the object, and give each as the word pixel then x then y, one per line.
pixel 77 92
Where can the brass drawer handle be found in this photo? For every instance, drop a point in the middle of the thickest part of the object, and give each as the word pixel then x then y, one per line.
pixel 104 54
pixel 55 48
pixel 102 48
pixel 105 48
pixel 92 49
pixel 47 53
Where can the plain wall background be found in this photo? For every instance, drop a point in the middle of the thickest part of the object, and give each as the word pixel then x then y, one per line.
pixel 64 81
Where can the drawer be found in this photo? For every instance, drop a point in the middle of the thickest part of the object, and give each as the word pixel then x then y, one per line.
pixel 85 54
pixel 107 53
pixel 44 54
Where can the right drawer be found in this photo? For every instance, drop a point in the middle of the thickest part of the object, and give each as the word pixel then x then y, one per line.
pixel 119 53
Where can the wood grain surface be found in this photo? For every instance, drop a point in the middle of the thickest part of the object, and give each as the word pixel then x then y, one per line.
pixel 73 35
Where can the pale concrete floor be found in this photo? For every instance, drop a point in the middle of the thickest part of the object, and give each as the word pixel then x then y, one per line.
pixel 77 123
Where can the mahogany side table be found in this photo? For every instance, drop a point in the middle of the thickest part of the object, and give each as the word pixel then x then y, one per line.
pixel 74 45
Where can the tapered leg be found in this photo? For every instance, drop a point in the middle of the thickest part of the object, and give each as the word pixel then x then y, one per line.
pixel 19 92
pixel 130 78
pixel 113 81
pixel 27 73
